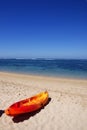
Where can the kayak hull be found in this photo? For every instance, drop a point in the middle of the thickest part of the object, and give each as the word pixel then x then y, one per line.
pixel 28 105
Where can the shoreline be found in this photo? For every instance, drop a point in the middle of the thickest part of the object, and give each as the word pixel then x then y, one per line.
pixel 44 76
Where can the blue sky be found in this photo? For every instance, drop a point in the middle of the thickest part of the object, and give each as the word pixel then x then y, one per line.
pixel 43 28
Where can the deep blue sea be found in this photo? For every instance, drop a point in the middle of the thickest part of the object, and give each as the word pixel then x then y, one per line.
pixel 48 67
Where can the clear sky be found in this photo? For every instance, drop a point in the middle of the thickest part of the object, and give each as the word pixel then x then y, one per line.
pixel 43 28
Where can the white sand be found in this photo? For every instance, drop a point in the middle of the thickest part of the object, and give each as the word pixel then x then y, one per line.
pixel 67 109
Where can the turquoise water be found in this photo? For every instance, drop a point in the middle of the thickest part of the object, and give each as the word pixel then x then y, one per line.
pixel 48 67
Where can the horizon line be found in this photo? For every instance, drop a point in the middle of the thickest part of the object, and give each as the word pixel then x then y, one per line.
pixel 41 58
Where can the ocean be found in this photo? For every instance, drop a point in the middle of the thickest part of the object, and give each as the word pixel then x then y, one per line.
pixel 46 67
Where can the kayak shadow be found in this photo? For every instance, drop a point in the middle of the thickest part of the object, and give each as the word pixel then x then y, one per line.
pixel 1 112
pixel 26 116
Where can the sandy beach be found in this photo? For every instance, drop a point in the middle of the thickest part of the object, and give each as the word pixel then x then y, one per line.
pixel 67 109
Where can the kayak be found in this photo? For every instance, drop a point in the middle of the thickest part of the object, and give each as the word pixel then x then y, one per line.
pixel 28 105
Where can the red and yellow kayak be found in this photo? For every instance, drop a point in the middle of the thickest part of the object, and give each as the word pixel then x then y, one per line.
pixel 28 105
